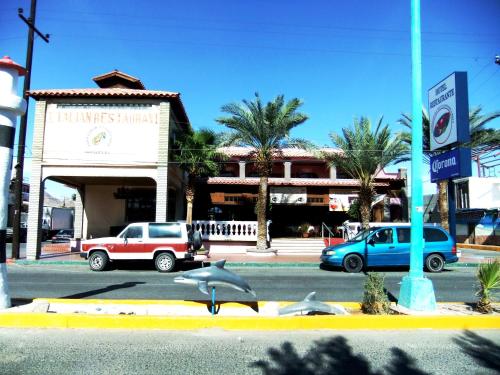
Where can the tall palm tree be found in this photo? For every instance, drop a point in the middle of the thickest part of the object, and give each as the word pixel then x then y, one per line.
pixel 265 129
pixel 481 137
pixel 363 153
pixel 197 155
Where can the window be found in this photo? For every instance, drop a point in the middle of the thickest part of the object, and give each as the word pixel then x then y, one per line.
pixel 403 235
pixel 169 230
pixel 133 232
pixel 434 235
pixel 383 236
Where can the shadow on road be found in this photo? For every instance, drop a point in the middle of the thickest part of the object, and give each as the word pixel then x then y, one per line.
pixel 485 352
pixel 103 290
pixel 333 356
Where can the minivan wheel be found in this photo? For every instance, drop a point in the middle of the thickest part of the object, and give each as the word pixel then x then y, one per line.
pixel 98 261
pixel 165 262
pixel 353 263
pixel 434 263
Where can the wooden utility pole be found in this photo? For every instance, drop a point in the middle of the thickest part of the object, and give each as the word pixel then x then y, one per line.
pixel 21 145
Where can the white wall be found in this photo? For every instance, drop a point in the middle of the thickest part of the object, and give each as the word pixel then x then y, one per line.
pixel 484 192
pixel 102 210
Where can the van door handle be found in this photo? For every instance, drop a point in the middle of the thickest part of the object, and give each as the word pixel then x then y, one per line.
pixel 392 247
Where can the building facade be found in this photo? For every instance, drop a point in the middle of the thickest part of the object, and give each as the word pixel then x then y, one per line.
pixel 112 144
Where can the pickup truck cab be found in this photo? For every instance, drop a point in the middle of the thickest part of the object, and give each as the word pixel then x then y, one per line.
pixel 390 246
pixel 163 243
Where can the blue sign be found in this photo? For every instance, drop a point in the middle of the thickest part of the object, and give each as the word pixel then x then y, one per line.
pixel 451 164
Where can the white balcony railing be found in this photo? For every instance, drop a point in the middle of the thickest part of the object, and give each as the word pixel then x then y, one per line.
pixel 212 230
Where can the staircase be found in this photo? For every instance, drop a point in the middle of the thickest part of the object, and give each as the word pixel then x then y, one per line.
pixel 296 246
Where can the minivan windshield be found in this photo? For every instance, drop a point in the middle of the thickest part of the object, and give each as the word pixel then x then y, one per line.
pixel 362 235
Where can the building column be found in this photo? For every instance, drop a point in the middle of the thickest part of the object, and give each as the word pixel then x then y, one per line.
pixel 288 170
pixel 333 172
pixel 162 170
pixel 79 211
pixel 242 169
pixel 34 235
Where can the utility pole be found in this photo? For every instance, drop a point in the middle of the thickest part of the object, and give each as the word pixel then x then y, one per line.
pixel 21 145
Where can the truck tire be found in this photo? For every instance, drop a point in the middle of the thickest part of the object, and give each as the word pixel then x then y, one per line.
pixel 165 262
pixel 98 261
pixel 197 241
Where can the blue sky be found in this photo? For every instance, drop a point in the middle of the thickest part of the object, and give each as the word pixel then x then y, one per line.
pixel 344 59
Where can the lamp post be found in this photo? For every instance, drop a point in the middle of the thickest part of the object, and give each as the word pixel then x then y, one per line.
pixel 11 106
pixel 417 292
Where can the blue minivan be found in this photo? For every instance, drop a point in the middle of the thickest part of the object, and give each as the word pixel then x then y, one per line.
pixel 390 246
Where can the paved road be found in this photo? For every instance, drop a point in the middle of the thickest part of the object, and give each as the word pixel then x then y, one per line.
pixel 270 284
pixel 220 352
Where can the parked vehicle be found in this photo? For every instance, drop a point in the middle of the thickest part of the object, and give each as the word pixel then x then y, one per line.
pixel 390 246
pixel 63 235
pixel 55 219
pixel 164 243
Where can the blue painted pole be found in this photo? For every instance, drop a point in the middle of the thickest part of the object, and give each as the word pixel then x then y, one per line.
pixel 213 300
pixel 417 292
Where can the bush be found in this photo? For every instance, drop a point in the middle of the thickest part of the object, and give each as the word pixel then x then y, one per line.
pixel 375 299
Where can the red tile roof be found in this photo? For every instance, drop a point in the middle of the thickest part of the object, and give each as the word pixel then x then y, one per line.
pixel 174 97
pixel 292 182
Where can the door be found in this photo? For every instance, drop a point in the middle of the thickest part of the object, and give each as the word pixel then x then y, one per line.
pixel 381 248
pixel 132 242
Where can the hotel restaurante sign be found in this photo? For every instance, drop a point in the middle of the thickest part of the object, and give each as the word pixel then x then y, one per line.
pixel 101 133
pixel 449 111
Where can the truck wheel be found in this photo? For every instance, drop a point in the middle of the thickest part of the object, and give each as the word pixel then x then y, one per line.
pixel 98 261
pixel 353 263
pixel 434 263
pixel 165 262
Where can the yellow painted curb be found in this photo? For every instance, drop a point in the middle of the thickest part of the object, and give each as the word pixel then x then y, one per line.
pixel 478 247
pixel 352 322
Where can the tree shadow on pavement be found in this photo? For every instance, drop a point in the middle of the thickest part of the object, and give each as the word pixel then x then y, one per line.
pixel 108 288
pixel 333 356
pixel 485 352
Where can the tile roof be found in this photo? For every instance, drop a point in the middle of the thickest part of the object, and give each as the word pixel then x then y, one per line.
pixel 177 105
pixel 292 182
pixel 98 92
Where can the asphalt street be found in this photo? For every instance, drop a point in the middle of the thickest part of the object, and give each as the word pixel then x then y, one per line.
pixel 50 351
pixel 271 284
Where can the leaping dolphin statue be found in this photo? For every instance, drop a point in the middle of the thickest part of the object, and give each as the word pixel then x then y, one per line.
pixel 213 276
pixel 310 305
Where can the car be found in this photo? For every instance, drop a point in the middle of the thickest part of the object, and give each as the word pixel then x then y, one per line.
pixel 165 244
pixel 63 235
pixel 390 246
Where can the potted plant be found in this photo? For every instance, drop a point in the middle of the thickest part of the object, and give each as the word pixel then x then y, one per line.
pixel 306 230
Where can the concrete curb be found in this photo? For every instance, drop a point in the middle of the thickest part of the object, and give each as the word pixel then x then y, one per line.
pixel 478 247
pixel 244 323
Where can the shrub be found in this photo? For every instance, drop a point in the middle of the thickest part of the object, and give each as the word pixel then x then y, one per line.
pixel 488 275
pixel 375 299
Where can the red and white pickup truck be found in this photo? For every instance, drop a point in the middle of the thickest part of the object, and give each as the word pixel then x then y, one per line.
pixel 164 243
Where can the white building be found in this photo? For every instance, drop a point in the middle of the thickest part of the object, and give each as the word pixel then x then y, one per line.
pixel 112 144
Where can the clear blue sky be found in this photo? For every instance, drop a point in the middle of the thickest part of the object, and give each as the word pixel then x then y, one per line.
pixel 344 59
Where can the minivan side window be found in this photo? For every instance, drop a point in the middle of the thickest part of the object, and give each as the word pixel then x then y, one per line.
pixel 162 230
pixel 434 235
pixel 403 235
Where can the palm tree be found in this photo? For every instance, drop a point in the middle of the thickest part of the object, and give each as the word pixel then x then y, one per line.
pixel 481 138
pixel 363 153
pixel 197 155
pixel 265 129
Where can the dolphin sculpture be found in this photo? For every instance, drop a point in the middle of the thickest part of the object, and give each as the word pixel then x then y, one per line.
pixel 310 305
pixel 213 276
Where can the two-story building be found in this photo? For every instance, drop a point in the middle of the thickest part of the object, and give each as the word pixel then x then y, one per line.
pixel 302 190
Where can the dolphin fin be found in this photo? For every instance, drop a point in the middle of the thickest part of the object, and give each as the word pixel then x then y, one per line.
pixel 220 263
pixel 203 287
pixel 311 297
